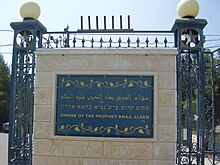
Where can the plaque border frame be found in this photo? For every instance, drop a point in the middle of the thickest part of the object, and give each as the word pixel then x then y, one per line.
pixel 113 73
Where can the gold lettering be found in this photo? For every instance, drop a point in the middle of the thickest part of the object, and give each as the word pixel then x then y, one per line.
pixel 141 117
pixel 80 97
pixel 124 117
pixel 67 115
pixel 105 116
pixel 89 115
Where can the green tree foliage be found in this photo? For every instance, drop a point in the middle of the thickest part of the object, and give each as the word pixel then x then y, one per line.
pixel 217 90
pixel 4 91
pixel 212 68
pixel 215 65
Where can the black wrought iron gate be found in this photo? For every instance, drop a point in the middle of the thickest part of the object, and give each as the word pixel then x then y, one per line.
pixel 196 120
pixel 196 87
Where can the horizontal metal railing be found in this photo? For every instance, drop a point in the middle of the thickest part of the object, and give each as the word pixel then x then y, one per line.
pixel 121 38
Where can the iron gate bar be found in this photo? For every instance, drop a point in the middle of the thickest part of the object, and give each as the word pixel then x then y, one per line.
pixel 210 66
pixel 189 40
pixel 27 37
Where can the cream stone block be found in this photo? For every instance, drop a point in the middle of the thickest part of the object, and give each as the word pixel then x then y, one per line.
pixel 107 62
pixel 162 63
pixel 167 115
pixel 42 112
pixel 167 133
pixel 164 151
pixel 167 98
pixel 134 62
pixel 149 63
pixel 128 150
pixel 83 149
pixel 48 147
pixel 64 62
pixel 43 79
pixel 100 162
pixel 217 142
pixel 49 160
pixel 167 80
pixel 110 51
pixel 163 162
pixel 146 162
pixel 133 162
pixel 42 130
pixel 43 96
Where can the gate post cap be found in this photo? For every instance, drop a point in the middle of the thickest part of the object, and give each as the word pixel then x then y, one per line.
pixel 30 10
pixel 188 8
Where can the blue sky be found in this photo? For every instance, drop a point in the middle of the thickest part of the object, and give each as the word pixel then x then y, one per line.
pixel 145 15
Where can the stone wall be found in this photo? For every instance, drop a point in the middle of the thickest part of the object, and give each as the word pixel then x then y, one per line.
pixel 66 150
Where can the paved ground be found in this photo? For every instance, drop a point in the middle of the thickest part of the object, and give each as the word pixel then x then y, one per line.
pixel 3 148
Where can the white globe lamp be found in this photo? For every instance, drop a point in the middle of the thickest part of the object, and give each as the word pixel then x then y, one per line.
pixel 30 10
pixel 188 8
